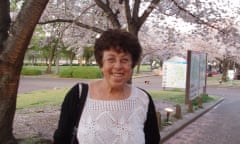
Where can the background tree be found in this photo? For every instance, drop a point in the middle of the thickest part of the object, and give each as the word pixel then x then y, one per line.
pixel 86 18
pixel 96 16
pixel 130 15
pixel 88 54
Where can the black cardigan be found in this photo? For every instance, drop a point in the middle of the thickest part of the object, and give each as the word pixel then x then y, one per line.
pixel 69 119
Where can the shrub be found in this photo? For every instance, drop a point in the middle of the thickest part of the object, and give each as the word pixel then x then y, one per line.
pixel 31 71
pixel 204 97
pixel 87 72
pixel 67 73
pixel 81 72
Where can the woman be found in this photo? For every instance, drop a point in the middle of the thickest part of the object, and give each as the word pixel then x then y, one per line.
pixel 114 112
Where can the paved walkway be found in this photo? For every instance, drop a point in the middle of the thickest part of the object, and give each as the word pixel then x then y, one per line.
pixel 187 119
pixel 218 126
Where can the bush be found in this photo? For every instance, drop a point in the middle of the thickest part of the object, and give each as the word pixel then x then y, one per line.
pixel 82 72
pixel 31 71
pixel 204 97
pixel 67 73
pixel 88 73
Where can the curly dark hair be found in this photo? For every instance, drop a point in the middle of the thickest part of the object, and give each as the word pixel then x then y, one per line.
pixel 119 40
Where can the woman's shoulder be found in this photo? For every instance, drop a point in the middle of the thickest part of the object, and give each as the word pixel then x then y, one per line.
pixel 140 93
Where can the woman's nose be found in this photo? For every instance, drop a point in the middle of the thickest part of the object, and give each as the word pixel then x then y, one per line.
pixel 118 64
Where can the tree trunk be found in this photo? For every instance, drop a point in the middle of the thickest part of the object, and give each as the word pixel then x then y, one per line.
pixel 12 51
pixel 50 59
pixel 225 70
pixel 138 68
pixel 8 89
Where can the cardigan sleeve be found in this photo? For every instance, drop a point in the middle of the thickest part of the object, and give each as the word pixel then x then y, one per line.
pixel 151 130
pixel 63 133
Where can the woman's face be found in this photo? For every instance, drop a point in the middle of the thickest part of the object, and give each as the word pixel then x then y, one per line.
pixel 116 68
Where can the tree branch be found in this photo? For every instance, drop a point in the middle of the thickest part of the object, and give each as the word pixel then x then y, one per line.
pixel 5 21
pixel 95 29
pixel 198 20
pixel 148 11
pixel 21 35
pixel 86 9
pixel 110 14
pixel 128 12
pixel 136 9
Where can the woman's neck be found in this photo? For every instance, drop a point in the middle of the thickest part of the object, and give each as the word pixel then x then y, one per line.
pixel 100 90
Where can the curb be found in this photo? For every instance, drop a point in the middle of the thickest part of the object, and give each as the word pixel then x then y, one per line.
pixel 186 120
pixel 139 76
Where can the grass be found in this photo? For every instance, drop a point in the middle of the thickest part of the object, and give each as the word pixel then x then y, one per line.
pixel 215 81
pixel 55 97
pixel 173 96
pixel 34 141
pixel 44 68
pixel 41 98
pixel 178 96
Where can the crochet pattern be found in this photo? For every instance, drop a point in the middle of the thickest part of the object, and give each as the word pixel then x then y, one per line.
pixel 114 121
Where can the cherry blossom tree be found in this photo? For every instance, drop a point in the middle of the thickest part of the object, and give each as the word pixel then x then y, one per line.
pixel 14 40
pixel 85 19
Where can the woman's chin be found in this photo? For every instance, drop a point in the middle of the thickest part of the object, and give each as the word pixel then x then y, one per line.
pixel 117 84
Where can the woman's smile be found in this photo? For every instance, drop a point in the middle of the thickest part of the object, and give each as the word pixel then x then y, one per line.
pixel 116 67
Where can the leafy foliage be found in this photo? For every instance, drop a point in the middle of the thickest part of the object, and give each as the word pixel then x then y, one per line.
pixel 66 73
pixel 204 97
pixel 82 72
pixel 87 54
pixel 31 71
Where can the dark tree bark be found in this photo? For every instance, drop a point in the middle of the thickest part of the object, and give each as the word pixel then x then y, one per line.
pixel 14 41
pixel 225 70
pixel 134 21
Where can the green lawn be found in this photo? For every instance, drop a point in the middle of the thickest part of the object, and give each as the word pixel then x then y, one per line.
pixel 55 97
pixel 215 81
pixel 44 68
pixel 41 98
pixel 173 96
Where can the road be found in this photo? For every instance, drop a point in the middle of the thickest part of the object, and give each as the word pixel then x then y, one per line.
pixel 28 84
pixel 221 125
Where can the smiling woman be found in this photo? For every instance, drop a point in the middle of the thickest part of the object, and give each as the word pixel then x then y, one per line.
pixel 114 111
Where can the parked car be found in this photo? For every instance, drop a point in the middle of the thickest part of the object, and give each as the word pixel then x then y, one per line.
pixel 212 73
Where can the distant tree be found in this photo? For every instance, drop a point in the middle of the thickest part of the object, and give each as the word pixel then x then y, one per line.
pixel 87 54
pixel 99 15
pixel 69 54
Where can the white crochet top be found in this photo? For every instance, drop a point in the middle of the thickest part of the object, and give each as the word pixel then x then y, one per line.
pixel 114 121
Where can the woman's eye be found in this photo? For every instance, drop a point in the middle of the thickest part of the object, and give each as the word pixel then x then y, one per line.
pixel 111 60
pixel 125 60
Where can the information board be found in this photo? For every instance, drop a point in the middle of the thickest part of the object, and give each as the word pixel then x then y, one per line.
pixel 196 74
pixel 174 74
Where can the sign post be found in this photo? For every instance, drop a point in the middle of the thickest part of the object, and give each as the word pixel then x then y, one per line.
pixel 196 75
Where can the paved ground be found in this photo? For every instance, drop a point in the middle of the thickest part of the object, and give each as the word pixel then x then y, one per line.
pixel 221 125
pixel 28 83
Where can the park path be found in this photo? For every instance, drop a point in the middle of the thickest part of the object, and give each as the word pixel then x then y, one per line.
pixel 221 125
